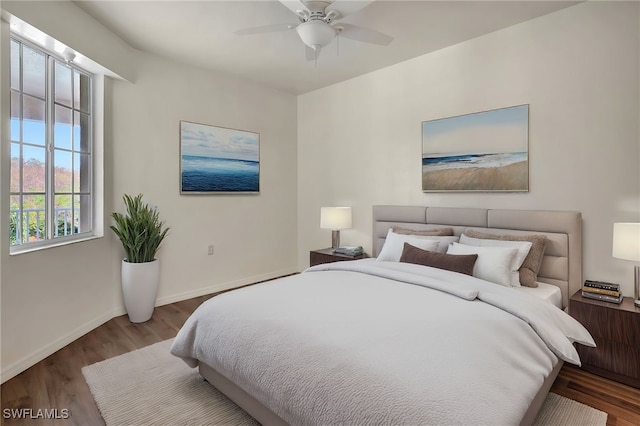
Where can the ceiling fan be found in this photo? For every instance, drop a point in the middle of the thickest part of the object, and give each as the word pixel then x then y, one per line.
pixel 317 24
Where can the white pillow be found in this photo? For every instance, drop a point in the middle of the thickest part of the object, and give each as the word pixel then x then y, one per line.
pixel 494 263
pixel 394 244
pixel 523 248
pixel 443 242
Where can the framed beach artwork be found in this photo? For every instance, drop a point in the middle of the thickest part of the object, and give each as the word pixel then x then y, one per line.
pixel 218 160
pixel 484 151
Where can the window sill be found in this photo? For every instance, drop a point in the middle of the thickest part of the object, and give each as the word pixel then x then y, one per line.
pixel 17 250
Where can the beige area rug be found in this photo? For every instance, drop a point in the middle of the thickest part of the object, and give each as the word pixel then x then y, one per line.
pixel 152 387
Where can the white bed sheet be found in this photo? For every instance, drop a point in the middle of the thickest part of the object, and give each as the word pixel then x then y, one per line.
pixel 544 291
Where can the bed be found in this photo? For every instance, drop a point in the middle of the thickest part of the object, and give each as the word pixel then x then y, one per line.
pixel 373 342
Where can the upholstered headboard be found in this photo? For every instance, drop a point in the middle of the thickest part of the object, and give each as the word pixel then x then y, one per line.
pixel 562 262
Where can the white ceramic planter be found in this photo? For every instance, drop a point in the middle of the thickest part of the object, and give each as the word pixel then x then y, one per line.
pixel 140 288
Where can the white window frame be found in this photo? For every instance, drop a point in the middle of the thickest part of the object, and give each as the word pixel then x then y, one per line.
pixel 95 228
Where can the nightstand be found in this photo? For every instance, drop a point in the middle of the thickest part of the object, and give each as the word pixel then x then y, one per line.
pixel 616 331
pixel 327 255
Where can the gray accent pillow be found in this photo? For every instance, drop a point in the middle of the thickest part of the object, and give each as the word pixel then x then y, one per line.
pixel 441 232
pixel 531 265
pixel 461 263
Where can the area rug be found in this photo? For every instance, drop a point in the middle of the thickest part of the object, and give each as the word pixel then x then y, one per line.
pixel 150 386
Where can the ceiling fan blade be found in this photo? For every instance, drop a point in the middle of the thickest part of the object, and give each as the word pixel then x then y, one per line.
pixel 293 5
pixel 265 29
pixel 366 35
pixel 347 7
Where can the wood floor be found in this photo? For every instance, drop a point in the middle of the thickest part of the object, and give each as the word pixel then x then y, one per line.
pixel 57 381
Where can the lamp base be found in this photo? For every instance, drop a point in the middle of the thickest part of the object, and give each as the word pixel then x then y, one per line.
pixel 335 239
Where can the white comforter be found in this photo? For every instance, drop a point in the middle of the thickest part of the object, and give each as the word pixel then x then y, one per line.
pixel 368 342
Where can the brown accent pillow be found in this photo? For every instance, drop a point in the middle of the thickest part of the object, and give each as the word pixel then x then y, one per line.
pixel 438 232
pixel 462 263
pixel 531 265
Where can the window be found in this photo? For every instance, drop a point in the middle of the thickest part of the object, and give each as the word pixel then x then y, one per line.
pixel 51 149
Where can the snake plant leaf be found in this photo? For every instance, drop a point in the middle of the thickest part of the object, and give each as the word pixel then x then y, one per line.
pixel 140 230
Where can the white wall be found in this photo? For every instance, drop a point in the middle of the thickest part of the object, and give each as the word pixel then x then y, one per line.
pixel 254 235
pixel 578 69
pixel 51 297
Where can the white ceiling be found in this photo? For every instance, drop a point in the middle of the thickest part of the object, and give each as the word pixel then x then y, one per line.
pixel 201 33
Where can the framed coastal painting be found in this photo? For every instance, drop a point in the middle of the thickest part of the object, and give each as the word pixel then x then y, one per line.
pixel 483 151
pixel 218 160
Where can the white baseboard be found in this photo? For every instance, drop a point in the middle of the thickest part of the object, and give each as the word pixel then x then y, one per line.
pixel 33 358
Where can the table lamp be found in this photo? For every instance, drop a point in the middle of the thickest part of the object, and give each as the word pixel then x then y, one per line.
pixel 335 218
pixel 626 245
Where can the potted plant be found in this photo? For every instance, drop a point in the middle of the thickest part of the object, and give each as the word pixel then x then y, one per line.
pixel 141 232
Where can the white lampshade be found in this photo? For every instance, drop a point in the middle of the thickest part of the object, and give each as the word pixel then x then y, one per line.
pixel 335 218
pixel 626 241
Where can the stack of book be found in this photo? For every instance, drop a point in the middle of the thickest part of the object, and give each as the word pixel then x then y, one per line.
pixel 599 290
pixel 349 250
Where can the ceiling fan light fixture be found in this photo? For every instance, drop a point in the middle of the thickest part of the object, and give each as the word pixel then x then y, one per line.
pixel 316 34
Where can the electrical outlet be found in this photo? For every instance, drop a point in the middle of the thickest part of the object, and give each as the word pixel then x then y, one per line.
pixel 211 250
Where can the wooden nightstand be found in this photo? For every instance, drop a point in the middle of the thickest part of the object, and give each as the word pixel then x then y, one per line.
pixel 327 255
pixel 616 331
